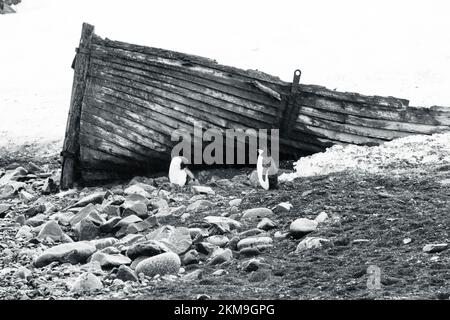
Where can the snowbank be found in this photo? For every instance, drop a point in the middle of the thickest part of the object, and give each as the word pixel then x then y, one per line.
pixel 398 154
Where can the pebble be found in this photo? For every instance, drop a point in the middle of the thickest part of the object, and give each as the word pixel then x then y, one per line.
pixel 194 275
pixel 259 276
pixel 94 198
pixel 219 220
pixel 203 190
pixel 87 282
pixel 302 226
pixel 206 247
pixel 310 243
pixel 253 265
pixel 36 220
pixel 110 210
pixel 434 248
pixel 103 243
pixel 34 210
pixel 24 233
pixel 85 213
pixel 321 217
pixel 23 273
pixel 259 243
pixel 147 248
pixel 190 257
pixel 219 272
pixel 407 240
pixel 159 203
pixel 280 235
pixel 170 215
pixel 198 233
pixel 110 225
pixel 75 252
pixel 63 218
pixel 164 263
pixel 177 240
pixel 49 186
pixel 218 240
pixel 137 208
pixel 200 205
pixel 257 213
pixel 110 260
pixel 266 224
pixel 125 222
pixel 141 189
pixel 232 244
pixel 141 226
pixel 27 196
pixel 251 233
pixel 86 229
pixel 4 207
pixel 235 202
pixel 53 231
pixel 20 219
pixel 129 240
pixel 125 274
pixel 283 207
pixel 220 256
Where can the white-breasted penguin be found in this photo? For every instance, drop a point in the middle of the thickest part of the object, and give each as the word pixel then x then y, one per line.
pixel 179 174
pixel 267 171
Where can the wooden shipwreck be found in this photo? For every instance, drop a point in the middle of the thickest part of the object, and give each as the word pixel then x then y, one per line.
pixel 128 99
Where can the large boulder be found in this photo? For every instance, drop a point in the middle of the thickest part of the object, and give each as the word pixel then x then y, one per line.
pixel 75 252
pixel 164 263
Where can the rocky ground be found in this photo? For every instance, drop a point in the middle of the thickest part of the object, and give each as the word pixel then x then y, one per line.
pixel 315 237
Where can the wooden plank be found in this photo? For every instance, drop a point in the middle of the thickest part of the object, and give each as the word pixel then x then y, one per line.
pixel 390 102
pixel 371 123
pixel 137 109
pixel 314 140
pixel 154 77
pixel 240 89
pixel 141 123
pixel 187 106
pixel 406 115
pixel 179 94
pixel 188 60
pixel 90 155
pixel 129 130
pixel 71 143
pixel 336 135
pixel 350 128
pixel 296 146
pixel 140 152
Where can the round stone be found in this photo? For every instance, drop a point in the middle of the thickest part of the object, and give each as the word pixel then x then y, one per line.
pixel 164 263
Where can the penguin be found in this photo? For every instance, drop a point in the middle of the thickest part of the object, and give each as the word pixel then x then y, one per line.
pixel 267 171
pixel 179 174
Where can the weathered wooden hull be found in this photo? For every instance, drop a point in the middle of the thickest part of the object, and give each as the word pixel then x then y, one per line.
pixel 128 99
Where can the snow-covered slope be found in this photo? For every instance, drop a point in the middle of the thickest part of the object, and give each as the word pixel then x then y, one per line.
pixel 399 48
pixel 395 156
